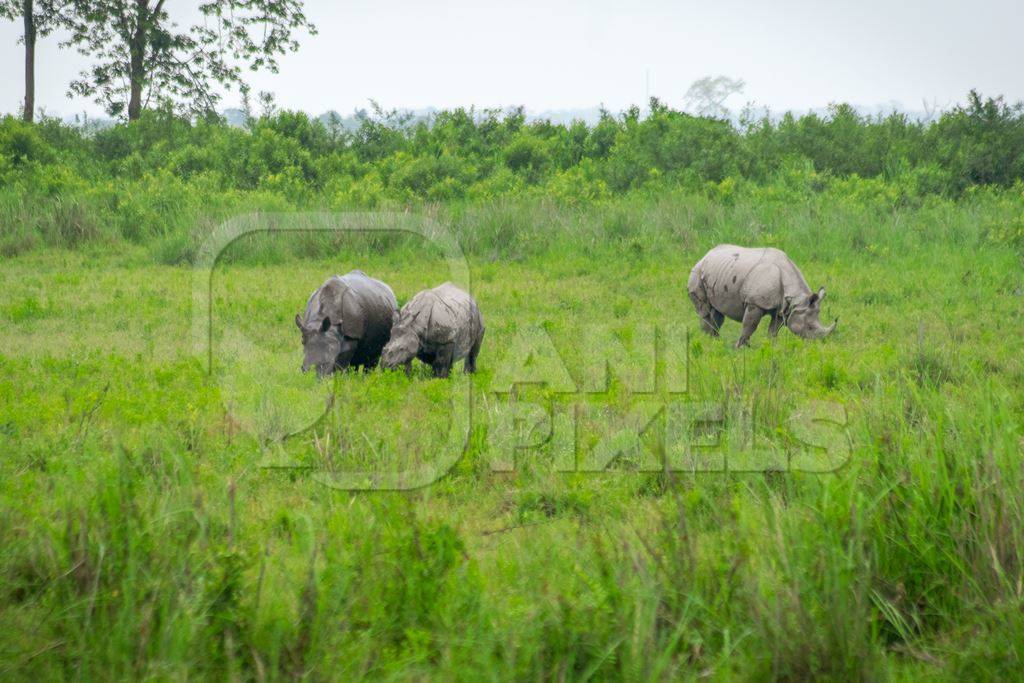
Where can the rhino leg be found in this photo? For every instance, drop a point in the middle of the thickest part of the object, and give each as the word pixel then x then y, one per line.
pixel 776 324
pixel 344 358
pixel 751 319
pixel 703 308
pixel 470 364
pixel 443 360
pixel 710 319
pixel 712 323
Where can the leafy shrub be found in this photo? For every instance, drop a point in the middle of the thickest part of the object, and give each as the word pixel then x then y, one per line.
pixel 528 155
pixel 21 143
pixel 981 143
pixel 154 177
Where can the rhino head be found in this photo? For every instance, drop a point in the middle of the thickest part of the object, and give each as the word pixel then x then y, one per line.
pixel 324 346
pixel 402 348
pixel 802 313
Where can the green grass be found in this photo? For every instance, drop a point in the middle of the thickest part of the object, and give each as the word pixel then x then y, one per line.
pixel 146 532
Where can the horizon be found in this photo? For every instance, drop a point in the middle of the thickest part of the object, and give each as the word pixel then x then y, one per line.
pixel 563 116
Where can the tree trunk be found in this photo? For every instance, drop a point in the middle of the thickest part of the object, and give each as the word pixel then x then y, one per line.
pixel 137 50
pixel 28 16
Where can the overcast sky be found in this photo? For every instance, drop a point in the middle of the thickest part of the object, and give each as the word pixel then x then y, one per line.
pixel 559 54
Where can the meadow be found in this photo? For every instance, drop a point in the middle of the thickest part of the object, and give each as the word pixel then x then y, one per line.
pixel 162 518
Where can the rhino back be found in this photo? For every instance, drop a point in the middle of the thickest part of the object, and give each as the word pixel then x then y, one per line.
pixel 377 305
pixel 454 319
pixel 724 273
pixel 354 293
pixel 376 296
pixel 734 276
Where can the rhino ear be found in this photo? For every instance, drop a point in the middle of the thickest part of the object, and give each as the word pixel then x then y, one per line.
pixel 325 325
pixel 298 321
pixel 817 297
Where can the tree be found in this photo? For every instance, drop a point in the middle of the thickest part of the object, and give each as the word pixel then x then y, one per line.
pixel 707 96
pixel 39 18
pixel 143 57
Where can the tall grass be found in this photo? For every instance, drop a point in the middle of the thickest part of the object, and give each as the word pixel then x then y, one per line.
pixel 514 228
pixel 141 535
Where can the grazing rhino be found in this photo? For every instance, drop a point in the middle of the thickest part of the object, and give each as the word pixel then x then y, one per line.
pixel 347 322
pixel 439 326
pixel 748 284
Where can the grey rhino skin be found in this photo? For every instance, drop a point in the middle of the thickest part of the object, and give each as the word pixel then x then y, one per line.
pixel 747 284
pixel 439 326
pixel 347 322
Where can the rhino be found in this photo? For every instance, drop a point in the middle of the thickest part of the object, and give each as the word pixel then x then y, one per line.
pixel 347 322
pixel 747 284
pixel 439 326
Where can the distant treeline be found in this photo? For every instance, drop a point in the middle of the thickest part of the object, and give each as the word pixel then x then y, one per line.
pixel 143 175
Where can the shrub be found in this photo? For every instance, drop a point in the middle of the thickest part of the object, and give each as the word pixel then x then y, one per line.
pixel 154 176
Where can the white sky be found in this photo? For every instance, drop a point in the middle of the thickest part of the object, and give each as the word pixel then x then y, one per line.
pixel 560 54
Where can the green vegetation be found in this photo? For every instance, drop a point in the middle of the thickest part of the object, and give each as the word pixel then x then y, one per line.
pixel 146 529
pixel 165 181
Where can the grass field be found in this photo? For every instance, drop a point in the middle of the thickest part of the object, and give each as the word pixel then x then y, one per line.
pixel 149 526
